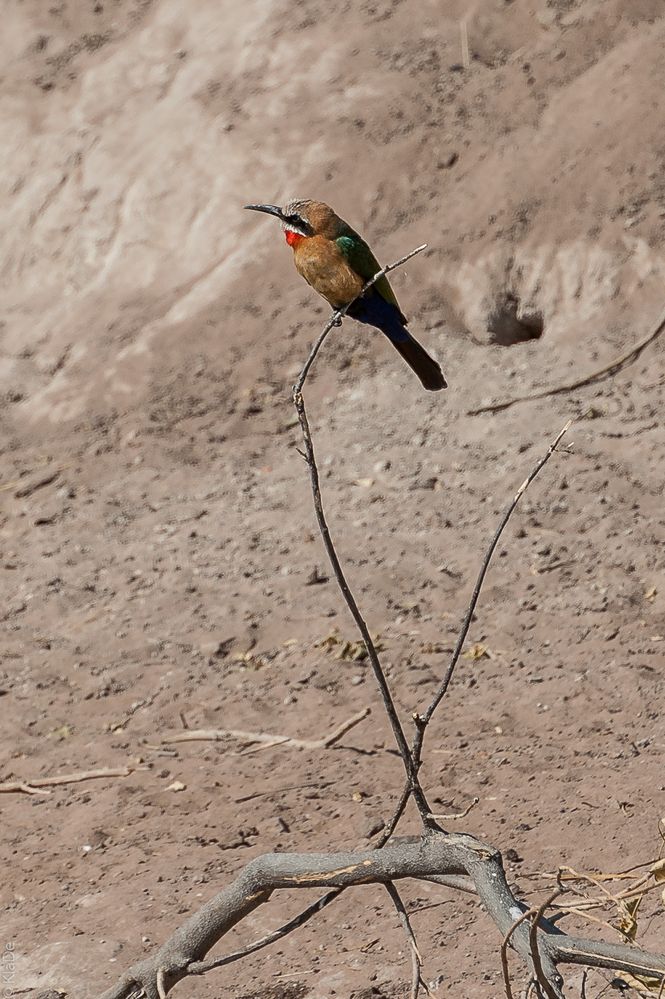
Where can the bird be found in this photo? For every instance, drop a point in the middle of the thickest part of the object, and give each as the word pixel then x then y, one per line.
pixel 337 263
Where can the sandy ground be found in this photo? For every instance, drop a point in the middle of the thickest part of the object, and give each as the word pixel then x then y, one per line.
pixel 158 545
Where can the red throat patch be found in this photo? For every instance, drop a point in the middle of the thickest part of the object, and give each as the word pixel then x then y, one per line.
pixel 292 238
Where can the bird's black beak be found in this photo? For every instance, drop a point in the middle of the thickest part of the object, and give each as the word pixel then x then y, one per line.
pixel 268 209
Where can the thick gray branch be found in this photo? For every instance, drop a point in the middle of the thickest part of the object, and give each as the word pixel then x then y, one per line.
pixel 438 855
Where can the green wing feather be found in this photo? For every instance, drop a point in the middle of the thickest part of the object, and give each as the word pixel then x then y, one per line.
pixel 361 259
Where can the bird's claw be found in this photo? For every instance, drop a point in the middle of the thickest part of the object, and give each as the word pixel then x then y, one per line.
pixel 336 320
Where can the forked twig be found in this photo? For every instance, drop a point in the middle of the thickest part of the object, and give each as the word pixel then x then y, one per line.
pixel 219 734
pixel 335 319
pixel 451 816
pixel 461 861
pixel 201 967
pixel 411 758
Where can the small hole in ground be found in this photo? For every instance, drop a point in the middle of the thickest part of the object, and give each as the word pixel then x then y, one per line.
pixel 510 323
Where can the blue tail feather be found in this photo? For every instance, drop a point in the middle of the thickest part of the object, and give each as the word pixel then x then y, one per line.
pixel 375 311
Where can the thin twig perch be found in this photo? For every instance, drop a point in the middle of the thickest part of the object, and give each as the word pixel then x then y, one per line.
pixel 372 652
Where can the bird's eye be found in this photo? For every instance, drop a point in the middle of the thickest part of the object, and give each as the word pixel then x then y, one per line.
pixel 302 224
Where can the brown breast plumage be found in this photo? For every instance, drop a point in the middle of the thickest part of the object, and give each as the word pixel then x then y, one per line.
pixel 322 264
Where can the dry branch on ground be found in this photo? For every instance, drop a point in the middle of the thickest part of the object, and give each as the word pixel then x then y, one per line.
pixel 433 856
pixel 38 785
pixel 267 739
pixel 611 368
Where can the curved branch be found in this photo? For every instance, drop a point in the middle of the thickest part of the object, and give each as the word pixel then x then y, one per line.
pixel 611 368
pixel 436 855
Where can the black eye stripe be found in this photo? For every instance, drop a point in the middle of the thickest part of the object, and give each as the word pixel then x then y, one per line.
pixel 297 220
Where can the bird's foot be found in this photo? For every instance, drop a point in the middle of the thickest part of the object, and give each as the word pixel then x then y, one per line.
pixel 336 320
